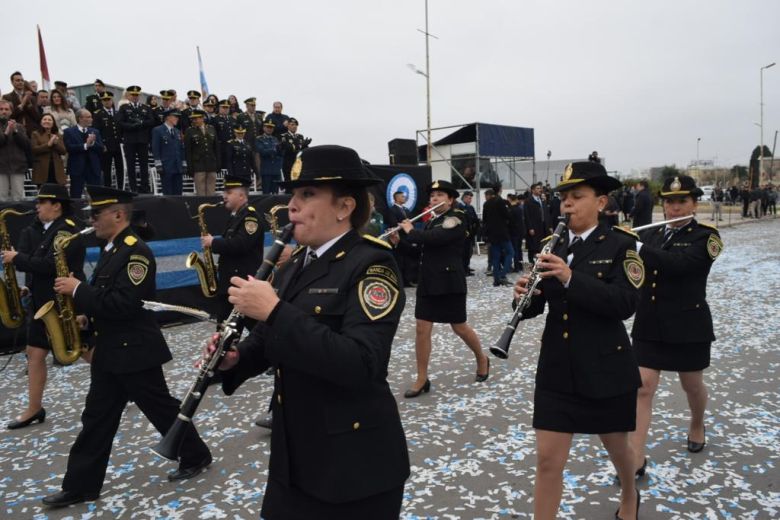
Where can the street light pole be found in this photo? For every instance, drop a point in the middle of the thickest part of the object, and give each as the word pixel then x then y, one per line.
pixel 698 140
pixel 761 148
pixel 428 82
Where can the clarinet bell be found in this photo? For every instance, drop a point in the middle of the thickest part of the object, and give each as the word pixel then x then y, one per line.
pixel 169 445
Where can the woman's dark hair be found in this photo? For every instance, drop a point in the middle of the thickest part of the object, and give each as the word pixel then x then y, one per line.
pixel 151 100
pixel 212 97
pixel 64 105
pixel 362 212
pixel 54 128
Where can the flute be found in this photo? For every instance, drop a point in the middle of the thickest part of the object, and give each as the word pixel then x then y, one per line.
pixel 421 215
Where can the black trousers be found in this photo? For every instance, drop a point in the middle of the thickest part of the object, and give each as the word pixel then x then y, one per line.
pixel 115 157
pixel 138 152
pixel 106 401
pixel 533 243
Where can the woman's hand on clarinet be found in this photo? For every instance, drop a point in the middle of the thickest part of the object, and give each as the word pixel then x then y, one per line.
pixel 521 287
pixel 553 266
pixel 253 298
pixel 228 361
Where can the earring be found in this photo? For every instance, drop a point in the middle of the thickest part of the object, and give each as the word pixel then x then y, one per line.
pixel 339 218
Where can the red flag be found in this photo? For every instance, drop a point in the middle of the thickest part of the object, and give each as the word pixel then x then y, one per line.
pixel 45 80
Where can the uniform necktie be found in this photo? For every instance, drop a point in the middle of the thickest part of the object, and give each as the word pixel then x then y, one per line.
pixel 668 234
pixel 310 257
pixel 575 244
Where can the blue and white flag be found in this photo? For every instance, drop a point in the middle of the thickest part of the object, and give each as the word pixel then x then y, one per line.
pixel 204 87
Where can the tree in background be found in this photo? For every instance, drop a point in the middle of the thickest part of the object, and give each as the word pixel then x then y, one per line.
pixel 669 171
pixel 739 173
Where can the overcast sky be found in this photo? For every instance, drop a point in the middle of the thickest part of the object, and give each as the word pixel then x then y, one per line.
pixel 639 81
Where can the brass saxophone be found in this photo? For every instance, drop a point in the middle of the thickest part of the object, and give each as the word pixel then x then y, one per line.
pixel 11 310
pixel 59 315
pixel 206 269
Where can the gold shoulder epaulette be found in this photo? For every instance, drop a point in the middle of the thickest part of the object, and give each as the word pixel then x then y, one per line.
pixel 130 240
pixel 377 241
pixel 709 226
pixel 458 210
pixel 626 232
pixel 70 222
pixel 546 239
pixel 251 208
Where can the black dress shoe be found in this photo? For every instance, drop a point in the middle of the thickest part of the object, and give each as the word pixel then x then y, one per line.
pixel 481 378
pixel 638 501
pixel 696 447
pixel 265 422
pixel 189 472
pixel 410 394
pixel 66 498
pixel 40 416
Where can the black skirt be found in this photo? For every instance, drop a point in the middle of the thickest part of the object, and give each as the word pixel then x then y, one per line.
pixel 36 335
pixel 571 413
pixel 446 308
pixel 289 503
pixel 674 357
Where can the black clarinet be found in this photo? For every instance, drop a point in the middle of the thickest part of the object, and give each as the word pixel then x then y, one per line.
pixel 171 442
pixel 501 348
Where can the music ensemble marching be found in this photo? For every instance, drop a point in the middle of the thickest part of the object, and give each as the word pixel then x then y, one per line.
pixel 322 318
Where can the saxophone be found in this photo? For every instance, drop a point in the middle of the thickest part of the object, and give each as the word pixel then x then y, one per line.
pixel 11 310
pixel 61 327
pixel 206 269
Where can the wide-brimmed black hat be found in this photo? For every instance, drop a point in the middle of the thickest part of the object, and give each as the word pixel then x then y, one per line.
pixel 106 95
pixel 193 94
pixel 444 186
pixel 101 196
pixel 234 181
pixel 133 89
pixel 53 192
pixel 589 173
pixel 167 94
pixel 680 186
pixel 329 164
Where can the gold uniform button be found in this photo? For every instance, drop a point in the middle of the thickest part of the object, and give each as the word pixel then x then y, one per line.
pixel 599 275
pixel 92 320
pixel 620 347
pixel 124 344
pixel 565 335
pixel 565 317
pixel 653 284
pixel 652 298
pixel 279 398
pixel 317 309
pixel 655 271
pixel 356 425
pixel 278 372
pixel 96 333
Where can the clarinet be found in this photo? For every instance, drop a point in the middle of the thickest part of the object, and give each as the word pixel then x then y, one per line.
pixel 171 442
pixel 501 347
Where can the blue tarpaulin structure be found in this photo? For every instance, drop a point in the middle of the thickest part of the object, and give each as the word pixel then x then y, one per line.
pixel 492 140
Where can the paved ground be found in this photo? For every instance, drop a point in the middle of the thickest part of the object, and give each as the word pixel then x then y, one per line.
pixel 471 445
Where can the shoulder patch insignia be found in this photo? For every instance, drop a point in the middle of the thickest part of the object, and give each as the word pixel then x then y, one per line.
pixel 130 240
pixel 383 271
pixel 634 269
pixel 70 222
pixel 714 246
pixel 451 222
pixel 626 232
pixel 250 226
pixel 377 241
pixel 136 271
pixel 377 297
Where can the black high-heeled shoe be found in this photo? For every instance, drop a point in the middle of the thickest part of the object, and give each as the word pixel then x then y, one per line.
pixel 39 416
pixel 638 501
pixel 696 447
pixel 481 378
pixel 641 471
pixel 410 394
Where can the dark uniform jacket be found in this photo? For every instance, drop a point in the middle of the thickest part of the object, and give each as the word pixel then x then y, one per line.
pixel 240 159
pixel 440 254
pixel 643 209
pixel 39 264
pixel 291 144
pixel 254 127
pixel 201 149
pixel 126 336
pixel 135 123
pixel 240 248
pixel 93 103
pixel 585 347
pixel 673 305
pixel 337 434
pixel 224 127
pixel 109 128
pixel 185 121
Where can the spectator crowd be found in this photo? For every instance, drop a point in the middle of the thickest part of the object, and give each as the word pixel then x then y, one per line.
pixel 114 142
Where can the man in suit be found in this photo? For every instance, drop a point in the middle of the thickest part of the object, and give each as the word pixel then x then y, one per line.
pixel 643 205
pixel 85 149
pixel 537 221
pixel 168 151
pixel 472 228
pixel 135 119
pixel 517 229
pixel 104 119
pixel 94 101
pixel 278 119
pixel 24 109
pixel 129 351
pixel 495 215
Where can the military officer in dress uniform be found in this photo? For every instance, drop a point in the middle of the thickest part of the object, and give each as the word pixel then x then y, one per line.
pixel 129 351
pixel 209 108
pixel 337 446
pixel 135 120
pixel 240 248
pixel 223 124
pixel 104 119
pixel 167 104
pixel 94 100
pixel 292 143
pixel 201 153
pixel 251 119
pixel 240 157
pixel 193 100
pixel 673 325
pixel 269 153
